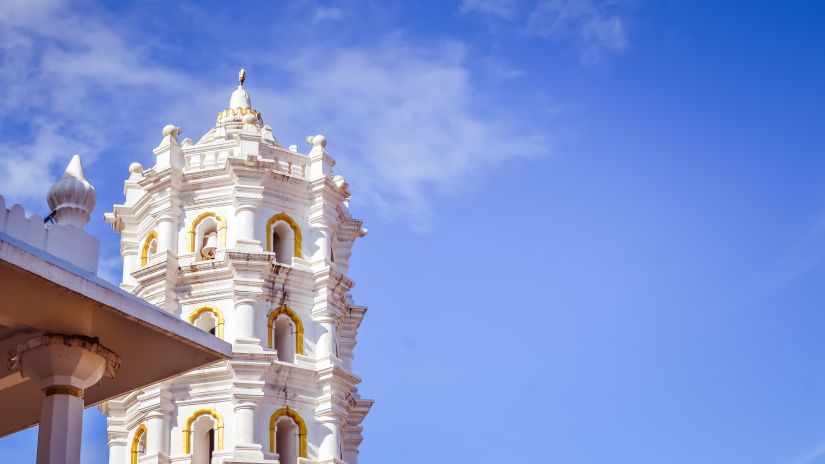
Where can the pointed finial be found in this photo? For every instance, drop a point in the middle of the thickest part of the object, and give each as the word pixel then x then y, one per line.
pixel 242 76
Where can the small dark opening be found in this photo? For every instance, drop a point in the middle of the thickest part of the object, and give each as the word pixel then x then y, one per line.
pixel 211 443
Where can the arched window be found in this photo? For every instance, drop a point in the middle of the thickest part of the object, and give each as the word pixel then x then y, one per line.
pixel 287 436
pixel 207 233
pixel 150 247
pixel 283 237
pixel 139 443
pixel 208 319
pixel 203 435
pixel 286 333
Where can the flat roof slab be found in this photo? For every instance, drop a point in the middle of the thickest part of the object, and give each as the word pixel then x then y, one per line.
pixel 40 293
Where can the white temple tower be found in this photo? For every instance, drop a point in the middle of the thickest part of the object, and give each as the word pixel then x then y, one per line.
pixel 250 241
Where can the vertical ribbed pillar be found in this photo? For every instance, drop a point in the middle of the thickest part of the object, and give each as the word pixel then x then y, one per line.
pixel 61 423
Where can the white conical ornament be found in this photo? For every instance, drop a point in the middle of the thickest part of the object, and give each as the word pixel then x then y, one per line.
pixel 72 198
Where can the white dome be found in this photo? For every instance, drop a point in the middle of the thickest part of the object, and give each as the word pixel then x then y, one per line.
pixel 72 197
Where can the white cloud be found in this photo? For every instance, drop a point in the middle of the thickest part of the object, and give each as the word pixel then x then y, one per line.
pixel 25 167
pixel 401 120
pixel 63 90
pixel 500 8
pixel 327 13
pixel 404 121
pixel 597 29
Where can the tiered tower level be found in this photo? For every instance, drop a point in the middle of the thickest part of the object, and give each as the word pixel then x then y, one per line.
pixel 250 241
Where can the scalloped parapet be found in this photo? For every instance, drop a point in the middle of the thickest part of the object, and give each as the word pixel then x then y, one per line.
pixel 63 241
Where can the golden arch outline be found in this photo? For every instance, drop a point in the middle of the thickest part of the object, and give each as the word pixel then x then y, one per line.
pixel 193 229
pixel 209 309
pixel 187 432
pixel 296 232
pixel 144 253
pixel 302 430
pixel 141 430
pixel 299 327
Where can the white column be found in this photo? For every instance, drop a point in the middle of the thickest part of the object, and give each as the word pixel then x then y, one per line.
pixel 245 323
pixel 325 348
pixel 131 261
pixel 157 439
pixel 322 242
pixel 118 447
pixel 64 366
pixel 245 215
pixel 167 234
pixel 246 448
pixel 329 442
pixel 61 422
pixel 244 423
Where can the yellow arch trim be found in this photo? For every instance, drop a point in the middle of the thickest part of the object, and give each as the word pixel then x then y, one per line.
pixel 194 228
pixel 144 253
pixel 296 231
pixel 209 309
pixel 187 432
pixel 302 430
pixel 141 430
pixel 299 327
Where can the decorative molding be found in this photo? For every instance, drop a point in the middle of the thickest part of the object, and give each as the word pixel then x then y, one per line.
pixel 187 432
pixel 299 327
pixel 296 232
pixel 219 320
pixel 302 430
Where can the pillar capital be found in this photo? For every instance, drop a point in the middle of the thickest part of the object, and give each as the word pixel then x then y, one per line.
pixel 57 360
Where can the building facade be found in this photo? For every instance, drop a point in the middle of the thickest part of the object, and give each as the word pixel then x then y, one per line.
pixel 250 241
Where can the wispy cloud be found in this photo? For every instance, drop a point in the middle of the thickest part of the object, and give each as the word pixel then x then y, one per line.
pixel 814 456
pixel 500 8
pixel 327 14
pixel 596 26
pixel 62 91
pixel 403 119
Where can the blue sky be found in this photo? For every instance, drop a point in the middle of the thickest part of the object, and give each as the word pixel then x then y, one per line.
pixel 597 229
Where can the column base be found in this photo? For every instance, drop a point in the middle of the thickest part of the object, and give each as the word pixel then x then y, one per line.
pixel 248 245
pixel 247 453
pixel 158 458
pixel 244 461
pixel 247 345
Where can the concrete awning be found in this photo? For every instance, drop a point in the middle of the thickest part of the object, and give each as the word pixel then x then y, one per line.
pixel 40 293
